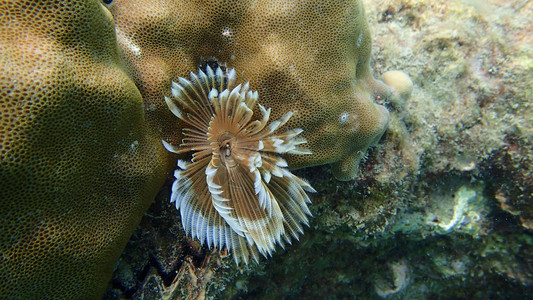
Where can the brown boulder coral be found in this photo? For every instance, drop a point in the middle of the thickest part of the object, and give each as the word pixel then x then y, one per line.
pixel 78 164
pixel 309 57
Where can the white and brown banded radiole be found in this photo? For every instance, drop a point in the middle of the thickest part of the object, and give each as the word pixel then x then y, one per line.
pixel 236 190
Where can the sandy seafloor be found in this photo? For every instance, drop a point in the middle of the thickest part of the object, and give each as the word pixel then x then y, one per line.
pixel 443 205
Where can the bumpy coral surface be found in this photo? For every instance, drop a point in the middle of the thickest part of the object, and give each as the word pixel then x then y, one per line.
pixel 309 57
pixel 78 165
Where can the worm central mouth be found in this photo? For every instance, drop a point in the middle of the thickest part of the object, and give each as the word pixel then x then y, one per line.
pixel 226 143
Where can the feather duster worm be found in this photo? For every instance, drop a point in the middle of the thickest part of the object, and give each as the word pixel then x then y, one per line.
pixel 235 191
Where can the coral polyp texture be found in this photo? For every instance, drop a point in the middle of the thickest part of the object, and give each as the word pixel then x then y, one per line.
pixel 308 57
pixel 78 164
pixel 236 191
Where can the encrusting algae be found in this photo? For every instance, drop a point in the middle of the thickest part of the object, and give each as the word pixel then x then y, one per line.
pixel 236 191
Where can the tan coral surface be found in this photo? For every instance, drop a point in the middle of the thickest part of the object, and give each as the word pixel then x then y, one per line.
pixel 78 166
pixel 309 57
